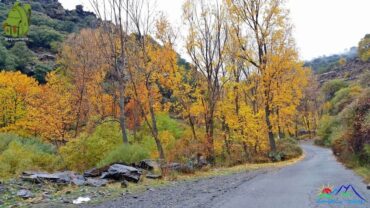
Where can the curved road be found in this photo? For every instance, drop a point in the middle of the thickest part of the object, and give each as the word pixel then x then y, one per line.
pixel 298 185
pixel 295 186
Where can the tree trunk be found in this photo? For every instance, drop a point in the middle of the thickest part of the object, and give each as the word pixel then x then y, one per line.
pixel 280 133
pixel 245 148
pixel 209 135
pixel 225 129
pixel 136 121
pixel 155 134
pixel 269 127
pixel 296 128
pixel 78 115
pixel 192 125
pixel 309 128
pixel 122 120
pixel 154 125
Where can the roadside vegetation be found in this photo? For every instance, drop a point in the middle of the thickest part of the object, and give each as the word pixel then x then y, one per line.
pixel 345 123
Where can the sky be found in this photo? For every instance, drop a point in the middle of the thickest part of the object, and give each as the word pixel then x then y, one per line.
pixel 322 27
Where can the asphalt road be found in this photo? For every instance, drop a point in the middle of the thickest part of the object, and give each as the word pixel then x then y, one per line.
pixel 295 186
pixel 298 185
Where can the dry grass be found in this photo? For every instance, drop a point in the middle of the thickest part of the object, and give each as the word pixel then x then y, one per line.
pixel 237 169
pixel 363 172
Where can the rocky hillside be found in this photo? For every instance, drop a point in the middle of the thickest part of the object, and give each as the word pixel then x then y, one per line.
pixel 351 70
pixel 50 25
pixel 348 66
pixel 327 63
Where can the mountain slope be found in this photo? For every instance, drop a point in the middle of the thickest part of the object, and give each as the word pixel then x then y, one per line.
pixel 50 25
pixel 349 71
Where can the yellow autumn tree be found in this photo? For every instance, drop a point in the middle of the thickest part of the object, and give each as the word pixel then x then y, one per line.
pixel 182 82
pixel 52 111
pixel 309 108
pixel 287 81
pixel 16 92
pixel 205 45
pixel 263 33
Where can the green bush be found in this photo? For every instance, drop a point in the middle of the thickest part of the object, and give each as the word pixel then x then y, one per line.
pixel 318 141
pixel 343 98
pixel 40 72
pixel 20 154
pixel 5 139
pixel 276 156
pixel 126 154
pixel 104 145
pixel 43 36
pixel 363 49
pixel 41 19
pixel 36 6
pixel 7 60
pixel 87 150
pixel 24 57
pixel 170 130
pixel 327 126
pixel 330 88
pixel 340 146
pixel 365 79
pixel 66 26
pixel 348 132
pixel 166 123
pixel 288 149
pixel 365 157
pixel 290 140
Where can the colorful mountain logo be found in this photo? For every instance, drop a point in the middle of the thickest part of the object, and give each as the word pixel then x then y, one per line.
pixel 344 194
pixel 18 22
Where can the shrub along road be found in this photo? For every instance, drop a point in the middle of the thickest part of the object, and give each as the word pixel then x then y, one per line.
pixel 293 186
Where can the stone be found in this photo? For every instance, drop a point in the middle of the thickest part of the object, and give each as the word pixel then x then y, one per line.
pixel 2 189
pixel 368 186
pixel 38 177
pixel 153 176
pixel 96 182
pixel 79 9
pixel 25 194
pixel 122 172
pixel 46 195
pixel 96 172
pixel 148 164
pixel 79 180
pixel 172 166
pixel 124 184
pixel 46 57
pixel 183 168
pixel 202 161
pixel 66 177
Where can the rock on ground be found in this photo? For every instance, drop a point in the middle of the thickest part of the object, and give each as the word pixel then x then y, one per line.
pixel 25 194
